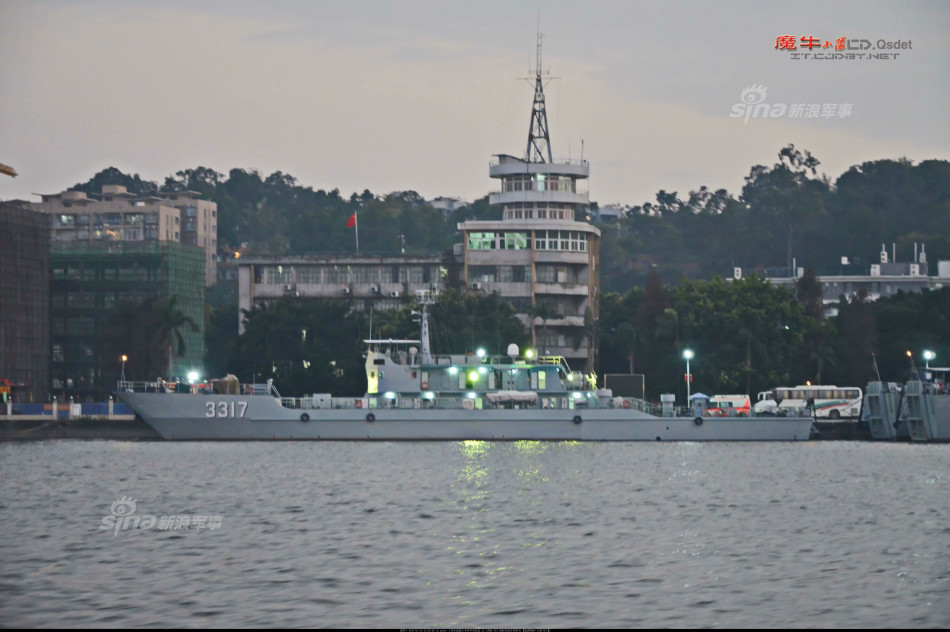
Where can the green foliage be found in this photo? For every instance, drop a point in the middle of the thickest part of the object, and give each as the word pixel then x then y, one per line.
pixel 747 335
pixel 305 346
pixel 149 333
pixel 462 322
pixel 133 184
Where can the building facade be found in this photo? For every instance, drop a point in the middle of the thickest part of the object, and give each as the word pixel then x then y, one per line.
pixel 880 281
pixel 117 215
pixel 378 282
pixel 539 256
pixel 90 280
pixel 24 301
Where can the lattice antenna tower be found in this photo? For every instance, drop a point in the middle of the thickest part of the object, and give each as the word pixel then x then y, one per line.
pixel 539 141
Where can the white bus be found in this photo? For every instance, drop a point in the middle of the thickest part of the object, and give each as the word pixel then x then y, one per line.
pixel 828 401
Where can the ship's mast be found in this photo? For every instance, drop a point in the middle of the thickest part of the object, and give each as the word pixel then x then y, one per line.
pixel 539 142
pixel 426 298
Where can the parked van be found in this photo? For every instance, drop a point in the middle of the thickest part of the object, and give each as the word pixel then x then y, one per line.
pixel 729 406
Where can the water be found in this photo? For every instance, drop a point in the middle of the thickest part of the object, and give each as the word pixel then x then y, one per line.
pixel 476 534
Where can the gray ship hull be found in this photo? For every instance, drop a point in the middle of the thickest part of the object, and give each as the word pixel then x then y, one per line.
pixel 255 418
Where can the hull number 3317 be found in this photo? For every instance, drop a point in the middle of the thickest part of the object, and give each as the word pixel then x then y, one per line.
pixel 225 409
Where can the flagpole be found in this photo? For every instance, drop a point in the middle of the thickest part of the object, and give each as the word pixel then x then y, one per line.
pixel 357 216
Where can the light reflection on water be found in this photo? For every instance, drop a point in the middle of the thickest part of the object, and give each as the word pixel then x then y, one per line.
pixel 478 534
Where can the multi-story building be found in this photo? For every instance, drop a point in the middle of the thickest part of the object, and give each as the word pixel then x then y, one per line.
pixel 24 302
pixel 880 280
pixel 89 279
pixel 539 256
pixel 380 282
pixel 117 215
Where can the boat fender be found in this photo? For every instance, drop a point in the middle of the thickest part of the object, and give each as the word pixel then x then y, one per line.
pixel 698 421
pixel 304 417
pixel 370 417
pixel 577 419
pixel 626 403
pixel 358 403
pixel 425 386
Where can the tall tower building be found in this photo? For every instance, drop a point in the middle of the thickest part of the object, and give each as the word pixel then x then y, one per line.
pixel 540 256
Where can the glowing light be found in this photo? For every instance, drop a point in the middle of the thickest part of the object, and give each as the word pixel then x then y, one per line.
pixel 482 370
pixel 192 376
pixel 473 376
pixel 470 395
pixel 480 353
pixel 453 370
pixel 570 377
pixel 529 353
pixel 928 356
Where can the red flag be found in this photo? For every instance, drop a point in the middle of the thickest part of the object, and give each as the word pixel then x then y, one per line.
pixel 352 221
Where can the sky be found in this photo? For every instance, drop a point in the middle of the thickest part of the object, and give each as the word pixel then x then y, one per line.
pixel 419 95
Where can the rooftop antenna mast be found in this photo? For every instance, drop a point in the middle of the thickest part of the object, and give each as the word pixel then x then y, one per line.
pixel 539 141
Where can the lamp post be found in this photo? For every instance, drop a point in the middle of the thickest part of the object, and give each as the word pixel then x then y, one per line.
pixel 124 358
pixel 687 354
pixel 928 356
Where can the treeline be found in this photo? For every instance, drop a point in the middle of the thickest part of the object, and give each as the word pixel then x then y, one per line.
pixel 746 336
pixel 660 276
pixel 276 215
pixel 785 212
pixel 309 346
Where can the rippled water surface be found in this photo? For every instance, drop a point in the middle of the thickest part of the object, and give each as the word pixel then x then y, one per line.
pixel 475 534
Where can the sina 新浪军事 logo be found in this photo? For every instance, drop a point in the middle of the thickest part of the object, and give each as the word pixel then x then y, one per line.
pixel 122 517
pixel 754 105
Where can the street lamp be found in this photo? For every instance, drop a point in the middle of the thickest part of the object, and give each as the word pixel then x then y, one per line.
pixel 124 358
pixel 928 356
pixel 687 354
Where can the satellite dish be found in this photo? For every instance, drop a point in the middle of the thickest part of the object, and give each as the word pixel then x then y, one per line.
pixel 513 350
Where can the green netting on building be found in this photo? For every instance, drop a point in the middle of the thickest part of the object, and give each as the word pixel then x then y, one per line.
pixel 90 281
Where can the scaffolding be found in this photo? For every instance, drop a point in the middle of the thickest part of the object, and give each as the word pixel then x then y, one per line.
pixel 89 281
pixel 24 301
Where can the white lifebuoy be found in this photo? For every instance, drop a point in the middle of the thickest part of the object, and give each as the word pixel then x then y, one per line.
pixel 626 403
pixel 425 386
pixel 358 403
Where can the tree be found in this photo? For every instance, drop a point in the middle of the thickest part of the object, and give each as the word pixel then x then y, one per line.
pixel 149 333
pixel 817 351
pixel 543 311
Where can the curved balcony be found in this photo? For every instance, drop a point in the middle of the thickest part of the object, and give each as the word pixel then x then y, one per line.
pixel 508 166
pixel 546 197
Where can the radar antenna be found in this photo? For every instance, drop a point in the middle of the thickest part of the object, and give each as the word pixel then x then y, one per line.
pixel 539 141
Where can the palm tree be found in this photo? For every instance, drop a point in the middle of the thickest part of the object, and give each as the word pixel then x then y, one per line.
pixel 150 333
pixel 167 322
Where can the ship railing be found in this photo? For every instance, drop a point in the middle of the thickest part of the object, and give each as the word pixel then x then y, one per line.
pixel 154 386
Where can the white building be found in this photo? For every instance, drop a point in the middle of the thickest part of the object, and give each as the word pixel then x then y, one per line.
pixel 538 256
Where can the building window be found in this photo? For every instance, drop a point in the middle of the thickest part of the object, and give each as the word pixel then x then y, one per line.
pixel 481 241
pixel 513 241
pixel 336 274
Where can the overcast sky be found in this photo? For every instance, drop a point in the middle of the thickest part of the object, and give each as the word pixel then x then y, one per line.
pixel 419 95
